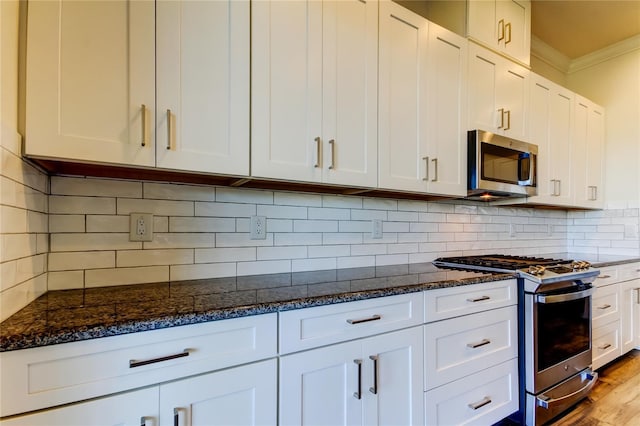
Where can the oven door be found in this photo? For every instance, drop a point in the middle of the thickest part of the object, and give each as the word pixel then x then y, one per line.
pixel 558 337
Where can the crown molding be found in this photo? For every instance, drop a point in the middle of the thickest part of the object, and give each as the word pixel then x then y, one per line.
pixel 550 56
pixel 607 53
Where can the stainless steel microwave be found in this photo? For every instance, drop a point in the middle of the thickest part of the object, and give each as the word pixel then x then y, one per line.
pixel 500 167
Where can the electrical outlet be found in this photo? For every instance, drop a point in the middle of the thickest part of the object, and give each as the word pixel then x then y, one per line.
pixel 258 227
pixel 512 230
pixel 376 231
pixel 140 227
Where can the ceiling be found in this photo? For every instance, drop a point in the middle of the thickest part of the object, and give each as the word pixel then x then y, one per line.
pixel 578 27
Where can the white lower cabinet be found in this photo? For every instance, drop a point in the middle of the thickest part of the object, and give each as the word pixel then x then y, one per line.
pixel 371 381
pixel 126 409
pixel 245 395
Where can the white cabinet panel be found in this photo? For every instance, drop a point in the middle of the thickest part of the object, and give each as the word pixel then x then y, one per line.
pixel 203 86
pixel 90 70
pixel 588 149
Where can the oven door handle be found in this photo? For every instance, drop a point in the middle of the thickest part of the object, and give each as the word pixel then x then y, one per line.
pixel 549 403
pixel 557 298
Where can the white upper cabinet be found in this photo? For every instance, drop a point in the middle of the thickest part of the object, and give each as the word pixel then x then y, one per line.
pixel 91 83
pixel 90 91
pixel 314 91
pixel 422 122
pixel 588 148
pixel 498 94
pixel 502 25
pixel 203 86
pixel 550 121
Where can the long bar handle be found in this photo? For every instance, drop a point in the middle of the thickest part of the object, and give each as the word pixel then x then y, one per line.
pixel 603 276
pixel 501 30
pixel 508 119
pixel 143 118
pixel 133 363
pixel 358 393
pixel 318 146
pixel 507 30
pixel 501 111
pixel 426 172
pixel 176 417
pixel 637 296
pixel 605 306
pixel 169 129
pixel 332 148
pixel 374 389
pixel 475 405
pixel 605 346
pixel 360 321
pixel 547 402
pixel 482 342
pixel 478 299
pixel 435 168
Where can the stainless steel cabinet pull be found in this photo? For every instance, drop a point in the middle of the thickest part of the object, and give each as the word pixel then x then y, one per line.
pixel 508 120
pixel 478 299
pixel 374 389
pixel 475 405
pixel 426 173
pixel 637 296
pixel 603 276
pixel 501 30
pixel 332 147
pixel 605 346
pixel 478 344
pixel 133 363
pixel 501 111
pixel 605 306
pixel 143 118
pixel 559 187
pixel 358 393
pixel 507 30
pixel 359 321
pixel 435 168
pixel 176 417
pixel 169 130
pixel 318 146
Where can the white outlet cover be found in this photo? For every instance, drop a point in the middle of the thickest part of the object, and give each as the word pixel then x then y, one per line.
pixel 258 227
pixel 376 232
pixel 141 227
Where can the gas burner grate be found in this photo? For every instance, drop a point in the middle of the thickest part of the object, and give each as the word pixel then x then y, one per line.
pixel 498 261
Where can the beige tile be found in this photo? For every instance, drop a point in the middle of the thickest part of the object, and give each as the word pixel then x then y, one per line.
pixel 202 224
pixel 182 240
pixel 128 258
pixel 19 296
pixel 65 280
pixel 66 223
pixel 13 220
pixel 202 270
pixel 156 207
pixel 124 276
pixel 69 261
pixel 231 254
pixel 96 187
pixel 69 204
pixel 95 241
pixel 107 223
pixel 169 191
pixel 241 195
pixel 16 246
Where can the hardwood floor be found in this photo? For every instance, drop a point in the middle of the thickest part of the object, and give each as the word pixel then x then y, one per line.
pixel 614 400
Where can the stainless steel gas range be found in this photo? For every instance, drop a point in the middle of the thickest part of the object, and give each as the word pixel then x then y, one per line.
pixel 554 315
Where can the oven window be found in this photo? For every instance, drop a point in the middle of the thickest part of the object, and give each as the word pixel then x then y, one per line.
pixel 564 330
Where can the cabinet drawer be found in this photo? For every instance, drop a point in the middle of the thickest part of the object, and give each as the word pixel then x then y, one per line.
pixel 312 327
pixel 480 399
pixel 606 344
pixel 455 301
pixel 628 272
pixel 52 375
pixel 458 347
pixel 608 275
pixel 605 305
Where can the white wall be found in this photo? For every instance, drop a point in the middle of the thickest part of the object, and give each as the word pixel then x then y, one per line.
pixel 23 189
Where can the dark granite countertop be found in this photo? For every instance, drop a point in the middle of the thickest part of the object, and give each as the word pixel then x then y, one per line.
pixel 74 315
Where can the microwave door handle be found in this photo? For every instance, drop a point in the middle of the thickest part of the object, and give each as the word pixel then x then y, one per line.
pixel 521 158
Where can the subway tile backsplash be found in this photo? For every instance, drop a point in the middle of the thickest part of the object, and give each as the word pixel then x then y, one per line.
pixel 203 232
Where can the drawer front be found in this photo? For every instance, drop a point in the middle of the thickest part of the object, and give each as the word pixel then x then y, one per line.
pixel 455 301
pixel 52 375
pixel 606 344
pixel 323 325
pixel 479 399
pixel 628 272
pixel 458 347
pixel 605 306
pixel 608 275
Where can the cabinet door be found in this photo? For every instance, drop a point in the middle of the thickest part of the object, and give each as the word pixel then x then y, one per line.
pixel 239 396
pixel 392 378
pixel 403 124
pixel 484 66
pixel 127 409
pixel 513 99
pixel 286 90
pixel 322 386
pixel 203 86
pixel 629 315
pixel 447 120
pixel 550 120
pixel 350 92
pixel 90 81
pixel 594 196
pixel 514 32
pixel 579 145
